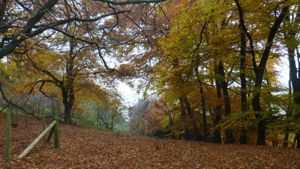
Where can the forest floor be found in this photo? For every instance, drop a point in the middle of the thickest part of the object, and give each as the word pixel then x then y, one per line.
pixel 89 148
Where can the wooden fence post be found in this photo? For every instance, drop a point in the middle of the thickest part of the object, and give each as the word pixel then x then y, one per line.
pixel 56 128
pixel 8 133
pixel 56 135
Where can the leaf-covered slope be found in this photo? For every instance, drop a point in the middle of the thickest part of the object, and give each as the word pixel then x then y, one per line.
pixel 87 148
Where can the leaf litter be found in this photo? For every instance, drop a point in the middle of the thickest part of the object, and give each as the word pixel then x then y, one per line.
pixel 91 148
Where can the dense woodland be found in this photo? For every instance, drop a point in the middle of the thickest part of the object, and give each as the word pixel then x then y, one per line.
pixel 215 74
pixel 207 70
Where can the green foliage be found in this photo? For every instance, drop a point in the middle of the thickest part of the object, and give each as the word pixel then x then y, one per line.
pixel 99 116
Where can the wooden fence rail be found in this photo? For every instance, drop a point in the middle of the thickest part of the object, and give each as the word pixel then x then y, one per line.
pixel 38 139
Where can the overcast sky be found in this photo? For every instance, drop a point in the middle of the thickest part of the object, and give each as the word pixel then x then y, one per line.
pixel 129 95
pixel 283 70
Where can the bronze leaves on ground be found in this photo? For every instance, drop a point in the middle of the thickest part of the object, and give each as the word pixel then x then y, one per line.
pixel 88 148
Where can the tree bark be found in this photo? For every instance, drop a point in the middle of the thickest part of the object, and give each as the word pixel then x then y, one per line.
pixel 218 108
pixel 227 104
pixel 259 73
pixel 243 94
pixel 68 101
pixel 183 118
pixel 291 44
pixel 68 88
pixel 203 105
pixel 260 69
pixel 295 83
pixel 190 112
pixel 204 119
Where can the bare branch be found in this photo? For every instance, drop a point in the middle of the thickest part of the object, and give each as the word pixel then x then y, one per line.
pixel 129 2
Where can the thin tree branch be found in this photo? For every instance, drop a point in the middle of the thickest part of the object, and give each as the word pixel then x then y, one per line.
pixel 129 2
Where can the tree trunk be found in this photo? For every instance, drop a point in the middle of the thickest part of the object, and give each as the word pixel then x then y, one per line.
pixel 296 86
pixel 218 109
pixel 297 139
pixel 67 113
pixel 204 119
pixel 292 45
pixel 243 94
pixel 259 69
pixel 259 73
pixel 227 104
pixel 68 88
pixel 183 119
pixel 244 105
pixel 262 123
pixel 68 101
pixel 195 131
pixel 288 116
pixel 203 105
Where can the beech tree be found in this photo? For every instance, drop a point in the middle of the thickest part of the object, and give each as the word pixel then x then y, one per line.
pixel 291 24
pixel 211 66
pixel 17 27
pixel 202 46
pixel 259 68
pixel 17 39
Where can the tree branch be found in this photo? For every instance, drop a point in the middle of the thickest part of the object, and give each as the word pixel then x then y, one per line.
pixel 21 36
pixel 128 2
pixel 11 103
